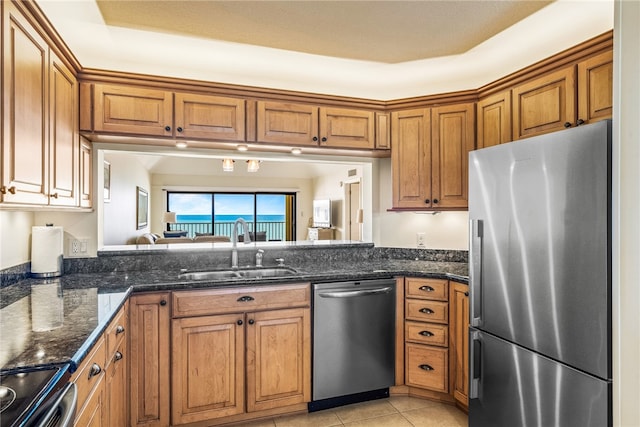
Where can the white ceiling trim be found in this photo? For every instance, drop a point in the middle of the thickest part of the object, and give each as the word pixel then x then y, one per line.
pixel 554 28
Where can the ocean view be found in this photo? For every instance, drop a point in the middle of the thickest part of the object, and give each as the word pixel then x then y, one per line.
pixel 228 218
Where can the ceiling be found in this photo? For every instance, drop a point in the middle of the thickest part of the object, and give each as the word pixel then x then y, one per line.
pixel 377 31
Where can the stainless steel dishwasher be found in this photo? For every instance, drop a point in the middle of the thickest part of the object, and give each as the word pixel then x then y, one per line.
pixel 353 340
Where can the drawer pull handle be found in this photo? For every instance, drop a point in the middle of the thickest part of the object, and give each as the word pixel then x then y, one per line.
pixel 426 288
pixel 426 311
pixel 425 367
pixel 245 298
pixel 117 356
pixel 119 329
pixel 426 333
pixel 94 370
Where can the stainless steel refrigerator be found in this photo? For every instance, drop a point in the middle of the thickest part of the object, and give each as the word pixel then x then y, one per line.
pixel 540 281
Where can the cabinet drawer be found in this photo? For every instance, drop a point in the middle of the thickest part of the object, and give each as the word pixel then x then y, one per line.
pixel 90 371
pixel 427 311
pixel 426 333
pixel 433 289
pixel 238 300
pixel 117 331
pixel 427 367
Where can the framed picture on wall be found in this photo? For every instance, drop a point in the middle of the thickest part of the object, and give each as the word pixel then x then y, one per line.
pixel 107 181
pixel 142 208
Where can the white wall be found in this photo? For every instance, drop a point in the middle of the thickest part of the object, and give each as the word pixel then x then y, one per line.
pixel 303 188
pixel 15 237
pixel 119 221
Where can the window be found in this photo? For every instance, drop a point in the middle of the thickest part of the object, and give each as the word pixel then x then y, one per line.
pixel 270 216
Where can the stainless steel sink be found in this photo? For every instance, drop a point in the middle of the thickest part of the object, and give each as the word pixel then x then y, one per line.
pixel 249 273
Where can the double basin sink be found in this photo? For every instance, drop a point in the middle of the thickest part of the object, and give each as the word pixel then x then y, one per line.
pixel 243 273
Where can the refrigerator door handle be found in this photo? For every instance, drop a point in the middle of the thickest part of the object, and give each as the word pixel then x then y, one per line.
pixel 475 363
pixel 475 271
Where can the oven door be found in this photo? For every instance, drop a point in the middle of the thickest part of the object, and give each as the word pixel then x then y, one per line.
pixel 60 411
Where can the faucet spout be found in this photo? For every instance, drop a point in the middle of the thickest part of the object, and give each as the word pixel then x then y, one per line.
pixel 234 240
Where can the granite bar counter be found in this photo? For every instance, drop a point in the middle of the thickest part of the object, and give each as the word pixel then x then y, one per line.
pixel 56 321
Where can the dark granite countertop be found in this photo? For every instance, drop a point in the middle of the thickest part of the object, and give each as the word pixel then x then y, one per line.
pixel 76 308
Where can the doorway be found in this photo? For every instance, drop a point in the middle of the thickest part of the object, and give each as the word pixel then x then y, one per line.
pixel 354 208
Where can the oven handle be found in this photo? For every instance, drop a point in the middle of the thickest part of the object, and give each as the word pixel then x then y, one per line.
pixel 359 293
pixel 63 408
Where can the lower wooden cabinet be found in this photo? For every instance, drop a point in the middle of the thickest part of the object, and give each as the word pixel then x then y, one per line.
pixel 427 367
pixel 459 343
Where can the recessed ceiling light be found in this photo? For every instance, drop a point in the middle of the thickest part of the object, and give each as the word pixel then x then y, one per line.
pixel 296 151
pixel 242 148
pixel 253 165
pixel 227 165
pixel 181 144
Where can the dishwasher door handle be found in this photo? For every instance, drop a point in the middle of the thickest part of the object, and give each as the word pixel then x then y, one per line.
pixel 358 293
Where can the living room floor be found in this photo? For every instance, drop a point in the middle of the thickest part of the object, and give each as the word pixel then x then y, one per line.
pixel 395 411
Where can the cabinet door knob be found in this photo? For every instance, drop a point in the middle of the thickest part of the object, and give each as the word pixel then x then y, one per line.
pixel 580 122
pixel 427 201
pixel 324 139
pixel 435 201
pixel 119 329
pixel 239 322
pixel 54 195
pixel 425 367
pixel 94 370
pixel 426 288
pixel 117 356
pixel 426 333
pixel 251 321
pixel 167 128
pixel 466 294
pixel 567 125
pixel 179 129
pixel 163 302
pixel 11 190
pixel 426 311
pixel 315 138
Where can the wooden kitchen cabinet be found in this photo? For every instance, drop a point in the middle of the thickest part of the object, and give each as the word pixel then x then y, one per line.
pixel 89 378
pixel 308 125
pixel 262 359
pixel 494 120
pixel 40 145
pixel 116 374
pixel 429 154
pixel 426 334
pixel 149 319
pixel 131 110
pixel 86 173
pixel 459 342
pixel 595 88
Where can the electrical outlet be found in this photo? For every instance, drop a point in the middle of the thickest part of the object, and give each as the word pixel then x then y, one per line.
pixel 77 247
pixel 420 239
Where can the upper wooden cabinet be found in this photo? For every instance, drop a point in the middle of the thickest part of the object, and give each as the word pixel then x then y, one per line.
pixel 307 125
pixel 595 88
pixel 429 154
pixel 494 120
pixel 40 143
pixel 154 112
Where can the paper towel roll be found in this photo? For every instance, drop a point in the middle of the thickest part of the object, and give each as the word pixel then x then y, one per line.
pixel 46 251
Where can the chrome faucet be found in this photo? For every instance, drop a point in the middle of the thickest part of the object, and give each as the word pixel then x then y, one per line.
pixel 234 240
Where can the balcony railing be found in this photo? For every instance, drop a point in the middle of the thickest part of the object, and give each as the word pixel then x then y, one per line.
pixel 275 229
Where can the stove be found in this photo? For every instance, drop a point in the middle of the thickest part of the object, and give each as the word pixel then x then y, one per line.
pixel 24 393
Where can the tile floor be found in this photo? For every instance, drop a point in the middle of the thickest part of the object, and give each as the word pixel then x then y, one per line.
pixel 396 411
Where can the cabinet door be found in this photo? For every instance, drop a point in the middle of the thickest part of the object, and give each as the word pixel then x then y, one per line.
pixel 94 411
pixel 85 176
pixel 287 123
pixel 545 104
pixel 278 358
pixel 207 368
pixel 116 376
pixel 209 117
pixel 132 110
pixel 64 145
pixel 452 138
pixel 494 120
pixel 149 361
pixel 345 128
pixel 459 345
pixel 411 158
pixel 25 98
pixel 595 88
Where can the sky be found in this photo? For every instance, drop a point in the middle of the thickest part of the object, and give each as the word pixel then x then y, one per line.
pixel 226 204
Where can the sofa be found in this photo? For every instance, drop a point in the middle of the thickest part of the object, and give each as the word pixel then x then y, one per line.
pixel 155 239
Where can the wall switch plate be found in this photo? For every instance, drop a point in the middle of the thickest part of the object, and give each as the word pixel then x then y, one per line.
pixel 420 239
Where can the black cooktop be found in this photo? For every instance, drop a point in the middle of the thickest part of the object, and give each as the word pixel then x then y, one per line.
pixel 21 393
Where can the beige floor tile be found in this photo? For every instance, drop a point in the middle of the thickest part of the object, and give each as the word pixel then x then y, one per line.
pixel 439 415
pixel 326 418
pixel 393 420
pixel 406 403
pixel 257 423
pixel 366 410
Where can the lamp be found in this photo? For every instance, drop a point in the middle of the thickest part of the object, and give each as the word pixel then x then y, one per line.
pixel 253 165
pixel 227 165
pixel 169 218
